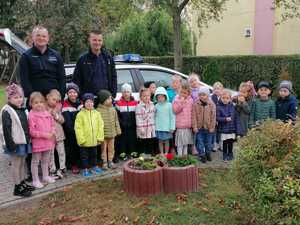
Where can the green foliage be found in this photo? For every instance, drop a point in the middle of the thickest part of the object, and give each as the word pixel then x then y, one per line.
pixel 267 165
pixel 149 33
pixel 143 163
pixel 232 70
pixel 182 161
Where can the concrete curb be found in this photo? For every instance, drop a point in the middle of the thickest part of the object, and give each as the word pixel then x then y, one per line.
pixel 43 192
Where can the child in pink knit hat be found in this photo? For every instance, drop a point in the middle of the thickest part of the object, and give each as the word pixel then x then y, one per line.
pixel 14 137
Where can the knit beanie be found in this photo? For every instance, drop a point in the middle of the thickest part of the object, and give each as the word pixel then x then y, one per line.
pixel 103 95
pixel 87 96
pixel 72 86
pixel 286 84
pixel 13 90
pixel 204 89
pixel 265 84
pixel 126 87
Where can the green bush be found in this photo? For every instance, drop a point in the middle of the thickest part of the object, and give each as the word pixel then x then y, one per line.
pixel 268 166
pixel 232 70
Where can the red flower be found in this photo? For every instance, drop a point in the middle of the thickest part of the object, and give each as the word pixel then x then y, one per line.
pixel 170 156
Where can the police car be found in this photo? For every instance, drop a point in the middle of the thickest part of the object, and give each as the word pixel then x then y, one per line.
pixel 131 69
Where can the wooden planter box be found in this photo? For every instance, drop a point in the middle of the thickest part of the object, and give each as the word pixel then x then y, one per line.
pixel 180 179
pixel 142 182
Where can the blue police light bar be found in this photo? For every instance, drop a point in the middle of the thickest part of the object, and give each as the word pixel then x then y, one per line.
pixel 128 58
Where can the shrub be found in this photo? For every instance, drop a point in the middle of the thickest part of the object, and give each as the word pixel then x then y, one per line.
pixel 232 70
pixel 268 166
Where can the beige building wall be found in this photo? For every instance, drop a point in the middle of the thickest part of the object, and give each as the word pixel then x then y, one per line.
pixel 227 37
pixel 286 36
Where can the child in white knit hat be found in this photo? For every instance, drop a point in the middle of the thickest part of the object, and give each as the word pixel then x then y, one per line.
pixel 127 141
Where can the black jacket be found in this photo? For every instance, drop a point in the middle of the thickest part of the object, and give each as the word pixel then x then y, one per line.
pixel 85 73
pixel 42 72
pixel 7 127
pixel 286 108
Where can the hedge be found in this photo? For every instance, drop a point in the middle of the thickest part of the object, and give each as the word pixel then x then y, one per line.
pixel 232 70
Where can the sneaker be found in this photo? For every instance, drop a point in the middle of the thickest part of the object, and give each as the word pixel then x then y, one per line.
pixel 59 173
pixel 208 157
pixel 86 173
pixel 37 184
pixel 27 186
pixel 97 170
pixel 104 166
pixel 29 178
pixel 20 190
pixel 111 165
pixel 75 170
pixel 54 175
pixel 203 159
pixel 49 180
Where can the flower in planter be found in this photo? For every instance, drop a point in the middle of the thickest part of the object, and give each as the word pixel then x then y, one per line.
pixel 169 156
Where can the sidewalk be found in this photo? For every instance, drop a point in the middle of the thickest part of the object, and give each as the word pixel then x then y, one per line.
pixel 6 186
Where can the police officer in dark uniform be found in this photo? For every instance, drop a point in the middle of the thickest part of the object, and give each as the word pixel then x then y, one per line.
pixel 41 68
pixel 95 70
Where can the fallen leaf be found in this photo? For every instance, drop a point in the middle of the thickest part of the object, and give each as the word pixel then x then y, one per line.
pixel 152 221
pixel 181 198
pixel 67 188
pixel 63 218
pixel 53 204
pixel 205 209
pixel 221 201
pixel 45 222
pixel 253 220
pixel 136 220
pixel 176 210
pixel 207 196
pixel 203 185
pixel 145 202
pixel 126 219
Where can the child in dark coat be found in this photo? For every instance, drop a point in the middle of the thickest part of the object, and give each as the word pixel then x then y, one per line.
pixel 127 141
pixel 71 106
pixel 286 103
pixel 228 124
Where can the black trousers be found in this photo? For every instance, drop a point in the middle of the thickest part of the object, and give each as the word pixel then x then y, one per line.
pixel 227 149
pixel 72 151
pixel 147 145
pixel 88 157
pixel 126 142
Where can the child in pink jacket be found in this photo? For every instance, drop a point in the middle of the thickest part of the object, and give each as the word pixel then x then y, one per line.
pixel 42 132
pixel 182 107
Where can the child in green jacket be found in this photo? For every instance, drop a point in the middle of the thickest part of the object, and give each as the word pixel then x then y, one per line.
pixel 263 107
pixel 111 127
pixel 89 134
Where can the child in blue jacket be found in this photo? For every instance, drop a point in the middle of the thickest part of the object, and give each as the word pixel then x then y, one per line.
pixel 286 103
pixel 228 124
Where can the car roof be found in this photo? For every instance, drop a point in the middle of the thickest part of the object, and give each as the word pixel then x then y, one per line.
pixel 121 65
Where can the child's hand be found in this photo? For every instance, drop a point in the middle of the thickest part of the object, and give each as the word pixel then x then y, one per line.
pixel 241 99
pixel 195 130
pixel 51 136
pixel 228 119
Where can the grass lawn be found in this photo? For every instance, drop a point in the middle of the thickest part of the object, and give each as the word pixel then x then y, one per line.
pixel 220 201
pixel 2 94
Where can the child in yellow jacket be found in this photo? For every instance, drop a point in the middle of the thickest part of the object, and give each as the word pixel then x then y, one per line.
pixel 89 130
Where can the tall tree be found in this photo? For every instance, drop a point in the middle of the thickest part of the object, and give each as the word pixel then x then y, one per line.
pixel 147 33
pixel 207 10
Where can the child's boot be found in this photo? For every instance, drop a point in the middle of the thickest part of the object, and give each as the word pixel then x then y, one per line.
pixel 203 159
pixel 20 190
pixel 97 170
pixel 86 173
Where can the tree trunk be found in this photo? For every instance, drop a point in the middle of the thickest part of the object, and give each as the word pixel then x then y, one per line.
pixel 67 53
pixel 177 39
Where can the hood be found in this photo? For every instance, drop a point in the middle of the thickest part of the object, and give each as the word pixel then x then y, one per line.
pixel 161 91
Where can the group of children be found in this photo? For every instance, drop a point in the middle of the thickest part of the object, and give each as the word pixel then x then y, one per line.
pixel 185 118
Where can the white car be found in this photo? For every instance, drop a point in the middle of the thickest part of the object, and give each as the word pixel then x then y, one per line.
pixel 136 73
